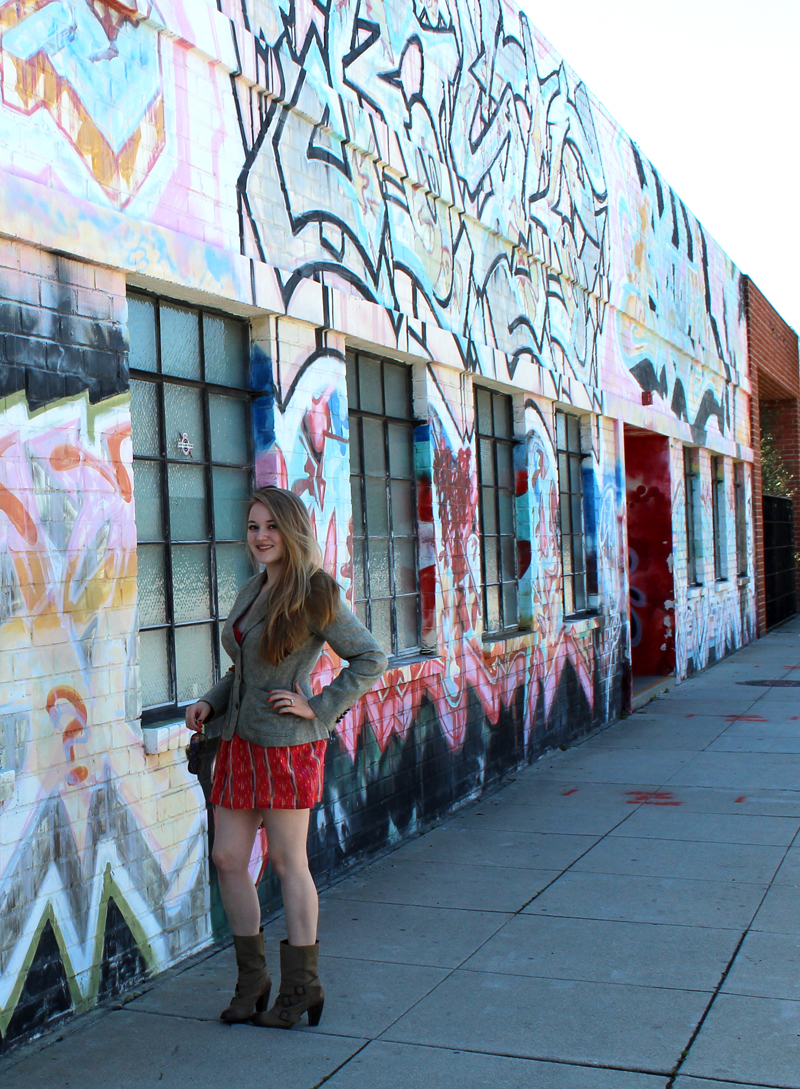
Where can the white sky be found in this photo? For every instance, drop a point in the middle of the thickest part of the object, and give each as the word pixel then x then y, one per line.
pixel 710 91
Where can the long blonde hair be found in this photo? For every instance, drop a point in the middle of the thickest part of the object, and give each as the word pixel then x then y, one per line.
pixel 305 597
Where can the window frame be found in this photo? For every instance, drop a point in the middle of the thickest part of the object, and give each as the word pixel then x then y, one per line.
pixel 572 456
pixel 159 378
pixel 357 414
pixel 497 442
pixel 691 481
pixel 740 508
pixel 718 517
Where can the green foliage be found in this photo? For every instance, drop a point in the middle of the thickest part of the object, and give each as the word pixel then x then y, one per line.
pixel 776 479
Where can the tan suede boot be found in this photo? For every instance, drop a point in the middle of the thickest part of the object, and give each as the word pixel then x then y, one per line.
pixel 254 983
pixel 301 990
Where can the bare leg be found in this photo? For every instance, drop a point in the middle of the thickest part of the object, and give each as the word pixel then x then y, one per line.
pixel 235 833
pixel 287 833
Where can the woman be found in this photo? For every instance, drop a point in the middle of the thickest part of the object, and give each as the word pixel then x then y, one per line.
pixel 270 761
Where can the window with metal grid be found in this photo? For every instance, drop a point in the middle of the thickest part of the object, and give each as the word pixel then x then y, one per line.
pixel 718 516
pixel 383 490
pixel 570 488
pixel 741 518
pixel 495 438
pixel 192 473
pixel 694 540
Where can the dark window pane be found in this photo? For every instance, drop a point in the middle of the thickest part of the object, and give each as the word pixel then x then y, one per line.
pixel 379 568
pixel 152 581
pixel 148 500
pixel 356 465
pixel 377 514
pixel 382 624
pixel 352 383
pixel 502 416
pixel 561 431
pixel 563 473
pixel 575 476
pixel 180 341
pixel 487 461
pixel 578 564
pixel 492 608
pixel 225 345
pixel 228 418
pixel 374 448
pixel 401 450
pixel 358 569
pixel 142 334
pixel 144 418
pixel 407 623
pixel 566 521
pixel 191 595
pixel 577 514
pixel 506 508
pixel 510 608
pixel 484 406
pixel 405 571
pixel 154 668
pixel 505 470
pixel 193 661
pixel 573 433
pixel 234 567
pixel 396 385
pixel 508 554
pixel 187 503
pixel 183 416
pixel 488 510
pixel 580 593
pixel 490 546
pixel 358 508
pixel 231 492
pixel 402 507
pixel 370 385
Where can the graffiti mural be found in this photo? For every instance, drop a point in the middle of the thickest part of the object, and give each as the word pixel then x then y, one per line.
pixel 426 181
pixel 102 872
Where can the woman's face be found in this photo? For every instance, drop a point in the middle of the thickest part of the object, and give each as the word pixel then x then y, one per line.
pixel 264 538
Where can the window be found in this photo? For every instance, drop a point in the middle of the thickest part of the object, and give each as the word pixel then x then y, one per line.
pixel 190 411
pixel 383 491
pixel 570 487
pixel 494 423
pixel 694 541
pixel 718 518
pixel 741 518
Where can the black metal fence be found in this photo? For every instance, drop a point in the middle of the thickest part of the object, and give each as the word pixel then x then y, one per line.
pixel 779 561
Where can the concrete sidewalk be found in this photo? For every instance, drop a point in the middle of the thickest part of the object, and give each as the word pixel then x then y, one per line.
pixel 623 915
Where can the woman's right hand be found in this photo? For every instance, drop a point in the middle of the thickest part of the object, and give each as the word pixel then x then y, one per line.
pixel 197 714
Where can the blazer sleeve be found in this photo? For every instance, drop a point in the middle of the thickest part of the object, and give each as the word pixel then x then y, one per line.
pixel 218 697
pixel 366 662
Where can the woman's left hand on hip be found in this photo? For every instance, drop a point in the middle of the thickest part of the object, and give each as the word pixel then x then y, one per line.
pixel 290 703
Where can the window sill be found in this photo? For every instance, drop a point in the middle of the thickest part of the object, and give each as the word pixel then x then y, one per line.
pixel 695 590
pixel 504 636
pixel 582 623
pixel 164 737
pixel 743 580
pixel 419 665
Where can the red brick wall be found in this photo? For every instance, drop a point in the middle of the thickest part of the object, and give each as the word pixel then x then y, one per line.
pixel 775 379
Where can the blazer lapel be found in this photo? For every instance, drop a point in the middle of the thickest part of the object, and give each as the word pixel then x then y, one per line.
pixel 244 603
pixel 258 612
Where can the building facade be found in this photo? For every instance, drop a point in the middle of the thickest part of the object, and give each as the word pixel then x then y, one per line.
pixel 397 258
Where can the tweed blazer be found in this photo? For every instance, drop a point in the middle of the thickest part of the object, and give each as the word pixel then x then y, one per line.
pixel 239 700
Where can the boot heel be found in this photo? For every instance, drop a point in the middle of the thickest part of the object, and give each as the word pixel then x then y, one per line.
pixel 263 1002
pixel 314 1013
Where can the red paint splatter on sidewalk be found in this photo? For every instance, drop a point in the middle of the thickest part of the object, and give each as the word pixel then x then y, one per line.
pixel 741 798
pixel 651 797
pixel 566 793
pixel 745 718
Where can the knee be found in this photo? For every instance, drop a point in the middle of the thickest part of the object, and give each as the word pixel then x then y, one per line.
pixel 227 860
pixel 287 865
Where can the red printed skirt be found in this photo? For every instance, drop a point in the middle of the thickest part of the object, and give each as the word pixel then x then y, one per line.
pixel 248 776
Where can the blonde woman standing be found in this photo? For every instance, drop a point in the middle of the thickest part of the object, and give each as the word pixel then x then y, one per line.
pixel 270 762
